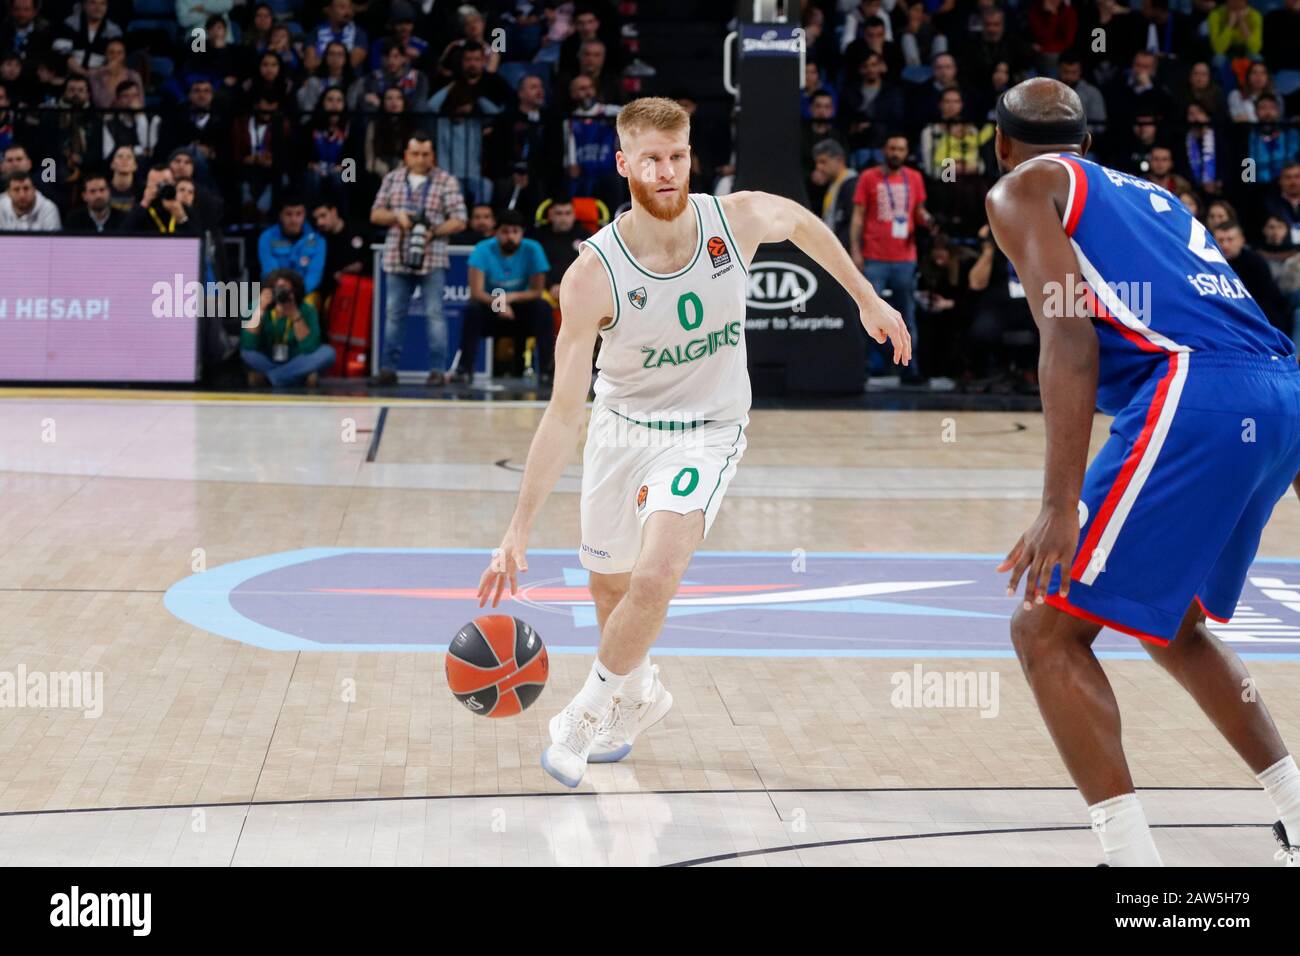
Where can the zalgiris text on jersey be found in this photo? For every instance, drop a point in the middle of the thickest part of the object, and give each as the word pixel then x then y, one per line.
pixel 684 352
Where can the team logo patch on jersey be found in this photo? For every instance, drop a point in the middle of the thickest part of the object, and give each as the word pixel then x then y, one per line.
pixel 637 297
pixel 641 497
pixel 718 252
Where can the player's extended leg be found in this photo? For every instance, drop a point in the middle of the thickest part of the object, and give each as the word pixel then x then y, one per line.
pixel 643 700
pixel 668 542
pixel 1213 674
pixel 1220 684
pixel 1074 697
pixel 1079 708
pixel 606 591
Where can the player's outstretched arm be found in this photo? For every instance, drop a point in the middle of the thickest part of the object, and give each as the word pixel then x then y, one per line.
pixel 585 301
pixel 1024 210
pixel 760 217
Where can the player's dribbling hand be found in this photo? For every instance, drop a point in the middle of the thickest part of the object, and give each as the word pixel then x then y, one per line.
pixel 507 561
pixel 1051 540
pixel 882 321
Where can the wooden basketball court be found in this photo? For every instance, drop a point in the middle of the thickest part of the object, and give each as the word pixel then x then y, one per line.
pixel 323 547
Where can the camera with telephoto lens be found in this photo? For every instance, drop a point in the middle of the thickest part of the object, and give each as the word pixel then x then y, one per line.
pixel 416 242
pixel 283 296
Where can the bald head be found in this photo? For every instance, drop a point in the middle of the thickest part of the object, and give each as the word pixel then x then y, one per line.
pixel 1044 100
pixel 1040 116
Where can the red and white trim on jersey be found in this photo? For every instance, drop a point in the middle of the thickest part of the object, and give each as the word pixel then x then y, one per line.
pixel 1109 308
pixel 1137 468
pixel 1117 314
pixel 1078 195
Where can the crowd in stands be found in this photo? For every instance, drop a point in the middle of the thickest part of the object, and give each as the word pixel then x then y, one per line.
pixel 289 123
pixel 1200 97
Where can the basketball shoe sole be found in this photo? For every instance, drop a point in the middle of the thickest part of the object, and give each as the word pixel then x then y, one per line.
pixel 573 731
pixel 565 775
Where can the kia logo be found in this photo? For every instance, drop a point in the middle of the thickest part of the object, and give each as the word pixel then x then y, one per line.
pixel 779 285
pixel 769 35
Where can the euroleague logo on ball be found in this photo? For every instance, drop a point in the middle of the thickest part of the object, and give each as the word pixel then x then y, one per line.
pixel 641 497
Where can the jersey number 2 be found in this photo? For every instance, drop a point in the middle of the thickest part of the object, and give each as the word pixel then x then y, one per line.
pixel 1202 246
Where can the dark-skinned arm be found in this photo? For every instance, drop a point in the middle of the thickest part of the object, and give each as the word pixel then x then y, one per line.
pixel 1024 211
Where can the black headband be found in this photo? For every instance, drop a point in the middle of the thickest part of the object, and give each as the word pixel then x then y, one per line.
pixel 1040 132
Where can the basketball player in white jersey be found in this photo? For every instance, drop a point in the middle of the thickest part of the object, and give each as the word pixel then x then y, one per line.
pixel 664 287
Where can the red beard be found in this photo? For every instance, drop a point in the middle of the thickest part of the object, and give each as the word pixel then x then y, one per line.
pixel 660 205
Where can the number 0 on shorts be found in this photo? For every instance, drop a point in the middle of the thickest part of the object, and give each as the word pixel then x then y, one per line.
pixel 685 482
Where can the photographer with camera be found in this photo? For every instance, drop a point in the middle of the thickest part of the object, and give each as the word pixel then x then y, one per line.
pixel 160 212
pixel 421 205
pixel 281 343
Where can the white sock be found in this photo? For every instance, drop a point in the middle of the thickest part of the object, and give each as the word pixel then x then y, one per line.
pixel 598 692
pixel 639 680
pixel 1121 825
pixel 1282 783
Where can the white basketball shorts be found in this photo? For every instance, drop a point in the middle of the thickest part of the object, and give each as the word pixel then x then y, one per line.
pixel 631 470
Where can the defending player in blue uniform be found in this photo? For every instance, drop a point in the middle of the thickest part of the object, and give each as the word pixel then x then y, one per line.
pixel 1141 316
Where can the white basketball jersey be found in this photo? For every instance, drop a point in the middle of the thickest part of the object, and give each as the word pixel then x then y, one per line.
pixel 676 349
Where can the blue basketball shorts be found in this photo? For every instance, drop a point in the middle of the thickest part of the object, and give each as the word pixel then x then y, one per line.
pixel 1174 504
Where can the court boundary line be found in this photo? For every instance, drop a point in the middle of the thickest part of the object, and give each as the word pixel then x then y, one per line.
pixel 822 844
pixel 377 435
pixel 571 794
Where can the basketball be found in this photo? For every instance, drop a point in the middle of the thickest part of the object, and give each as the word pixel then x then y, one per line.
pixel 496 666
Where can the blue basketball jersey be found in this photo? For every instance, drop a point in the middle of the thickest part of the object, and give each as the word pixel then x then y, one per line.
pixel 1154 279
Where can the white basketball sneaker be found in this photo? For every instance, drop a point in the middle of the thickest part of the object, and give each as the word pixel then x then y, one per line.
pixel 630 717
pixel 573 731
